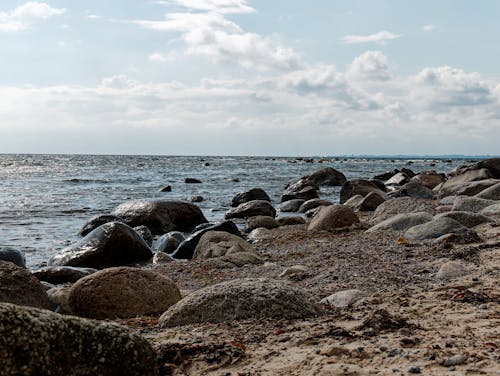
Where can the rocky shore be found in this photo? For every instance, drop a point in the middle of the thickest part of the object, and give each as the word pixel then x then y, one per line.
pixel 401 276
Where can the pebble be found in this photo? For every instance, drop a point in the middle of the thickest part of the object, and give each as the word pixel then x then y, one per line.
pixel 454 360
pixel 296 269
pixel 414 369
pixel 482 306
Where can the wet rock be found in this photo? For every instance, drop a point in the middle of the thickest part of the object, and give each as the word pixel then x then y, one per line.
pixel 19 286
pixel 291 221
pixel 196 199
pixel 47 343
pixel 467 219
pixel 167 188
pixel 491 193
pixel 260 221
pixel 62 274
pixel 186 249
pixel 161 216
pixel 399 205
pixel 145 234
pixel 326 176
pixel 344 298
pixel 251 209
pixel 330 218
pixel 59 299
pixel 370 202
pixel 112 244
pixel 471 204
pixel 314 203
pixel 451 270
pixel 97 221
pixel 307 193
pixel 358 187
pixel 433 229
pixel 414 189
pixel 12 255
pixel 402 222
pixel 250 195
pixel 192 181
pixel 239 299
pixel 122 292
pixel 168 243
pixel 291 206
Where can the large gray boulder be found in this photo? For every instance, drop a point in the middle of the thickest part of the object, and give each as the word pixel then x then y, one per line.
pixel 239 299
pixel 39 342
pixel 330 218
pixel 414 189
pixel 434 229
pixel 161 216
pixel 399 205
pixel 465 189
pixel 370 202
pixel 307 193
pixel 471 204
pixel 13 255
pixel 491 210
pixel 19 286
pixel 112 244
pixel 250 195
pixel 467 219
pixel 491 193
pixel 251 209
pixel 402 222
pixel 291 206
pixel 429 179
pixel 358 187
pixel 122 292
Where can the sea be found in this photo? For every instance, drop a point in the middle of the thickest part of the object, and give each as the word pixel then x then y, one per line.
pixel 46 199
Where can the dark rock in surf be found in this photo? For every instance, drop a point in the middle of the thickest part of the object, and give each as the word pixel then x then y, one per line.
pixel 250 195
pixel 97 221
pixel 192 181
pixel 359 187
pixel 13 255
pixel 251 209
pixel 62 274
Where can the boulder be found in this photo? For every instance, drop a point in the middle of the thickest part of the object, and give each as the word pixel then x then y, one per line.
pixel 471 204
pixel 414 189
pixel 62 274
pixel 330 218
pixel 250 195
pixel 464 189
pixel 490 167
pixel 112 244
pixel 358 187
pixel 307 193
pixel 145 234
pixel 370 202
pixel 429 179
pixel 239 299
pixel 97 221
pixel 192 181
pixel 162 258
pixel 491 193
pixel 399 205
pixel 398 179
pixel 19 286
pixel 354 201
pixel 291 205
pixel 326 176
pixel 402 222
pixel 314 203
pixel 161 216
pixel 291 221
pixel 451 270
pixel 433 229
pixel 168 243
pixel 465 236
pixel 260 221
pixel 491 210
pixel 386 175
pixel 12 255
pixel 467 219
pixel 122 292
pixel 185 250
pixel 59 299
pixel 47 343
pixel 344 298
pixel 251 209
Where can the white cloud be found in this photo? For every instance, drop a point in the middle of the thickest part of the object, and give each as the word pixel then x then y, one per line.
pixel 163 58
pixel 429 27
pixel 219 6
pixel 371 65
pixel 381 37
pixel 24 16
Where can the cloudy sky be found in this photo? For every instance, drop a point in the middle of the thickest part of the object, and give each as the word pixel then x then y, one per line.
pixel 243 77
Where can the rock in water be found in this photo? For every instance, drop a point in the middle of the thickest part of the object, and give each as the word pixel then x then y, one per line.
pixel 19 286
pixel 250 195
pixel 239 299
pixel 62 274
pixel 161 216
pixel 333 217
pixel 326 176
pixel 46 343
pixel 251 209
pixel 112 244
pixel 97 221
pixel 12 255
pixel 122 292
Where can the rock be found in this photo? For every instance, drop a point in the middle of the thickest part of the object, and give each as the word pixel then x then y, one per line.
pixel 186 249
pixel 291 205
pixel 162 258
pixel 122 292
pixel 386 175
pixel 468 184
pixel 398 179
pixel 19 286
pixel 169 242
pixel 242 258
pixel 492 210
pixel 467 219
pixel 314 203
pixel 251 209
pixel 353 201
pixel 145 234
pixel 46 343
pixel 326 176
pixel 260 234
pixel 344 298
pixel 161 216
pixel 454 360
pixel 471 204
pixel 370 202
pixel 250 195
pixel 402 222
pixel 307 193
pixel 466 236
pixel 112 244
pixel 239 299
pixel 291 221
pixel 414 189
pixel 260 221
pixel 358 187
pixel 492 167
pixel 491 193
pixel 12 255
pixel 167 188
pixel 333 217
pixel 400 205
pixel 414 369
pixel 192 181
pixel 59 297
pixel 97 221
pixel 62 274
pixel 293 270
pixel 433 229
pixel 218 243
pixel 196 199
pixel 429 179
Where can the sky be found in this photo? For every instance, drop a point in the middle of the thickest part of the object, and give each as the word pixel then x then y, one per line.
pixel 243 77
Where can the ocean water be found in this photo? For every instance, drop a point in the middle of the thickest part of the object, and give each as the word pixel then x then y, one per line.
pixel 46 199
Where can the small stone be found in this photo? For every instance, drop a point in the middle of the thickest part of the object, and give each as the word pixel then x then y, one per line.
pixel 292 270
pixel 414 369
pixel 482 306
pixel 454 360
pixel 452 368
